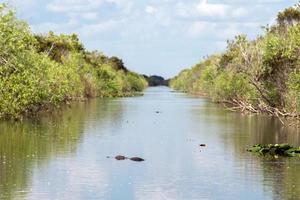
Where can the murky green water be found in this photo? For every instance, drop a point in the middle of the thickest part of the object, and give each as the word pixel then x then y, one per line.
pixel 64 156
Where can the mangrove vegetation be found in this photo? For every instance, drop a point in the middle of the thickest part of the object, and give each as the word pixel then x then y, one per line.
pixel 260 75
pixel 41 72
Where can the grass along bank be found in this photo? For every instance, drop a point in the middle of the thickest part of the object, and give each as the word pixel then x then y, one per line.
pixel 41 72
pixel 260 75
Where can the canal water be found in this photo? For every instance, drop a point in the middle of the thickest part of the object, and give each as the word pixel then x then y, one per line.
pixel 64 156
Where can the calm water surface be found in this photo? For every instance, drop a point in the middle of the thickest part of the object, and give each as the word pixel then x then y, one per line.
pixel 64 156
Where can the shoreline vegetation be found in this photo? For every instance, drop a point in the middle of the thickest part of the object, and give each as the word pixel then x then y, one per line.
pixel 255 76
pixel 42 72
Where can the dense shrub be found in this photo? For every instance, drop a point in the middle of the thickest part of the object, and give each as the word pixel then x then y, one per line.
pixel 58 46
pixel 134 82
pixel 28 79
pixel 261 72
pixel 44 71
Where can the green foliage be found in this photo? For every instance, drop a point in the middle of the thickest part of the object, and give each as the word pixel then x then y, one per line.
pixel 110 83
pixel 39 72
pixel 181 82
pixel 117 63
pixel 275 150
pixel 58 46
pixel 293 95
pixel 264 71
pixel 155 80
pixel 230 86
pixel 134 82
pixel 95 58
pixel 289 16
pixel 25 75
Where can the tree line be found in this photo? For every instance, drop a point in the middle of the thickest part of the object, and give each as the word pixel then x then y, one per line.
pixel 41 72
pixel 260 75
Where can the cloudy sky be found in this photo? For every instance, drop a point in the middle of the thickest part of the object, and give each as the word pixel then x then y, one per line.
pixel 152 36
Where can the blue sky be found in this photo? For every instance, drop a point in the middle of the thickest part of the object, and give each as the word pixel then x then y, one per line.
pixel 152 36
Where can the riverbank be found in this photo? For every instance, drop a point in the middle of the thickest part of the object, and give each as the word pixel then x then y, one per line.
pixel 43 72
pixel 257 76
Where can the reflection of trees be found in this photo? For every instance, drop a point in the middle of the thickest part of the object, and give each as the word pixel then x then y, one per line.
pixel 24 145
pixel 251 129
pixel 281 176
pixel 270 130
pixel 284 177
pixel 291 189
pixel 104 112
pixel 29 144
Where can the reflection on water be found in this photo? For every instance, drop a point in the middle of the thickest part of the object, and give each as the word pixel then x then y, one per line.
pixel 64 156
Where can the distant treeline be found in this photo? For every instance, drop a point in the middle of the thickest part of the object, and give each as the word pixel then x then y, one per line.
pixel 40 72
pixel 261 75
pixel 156 80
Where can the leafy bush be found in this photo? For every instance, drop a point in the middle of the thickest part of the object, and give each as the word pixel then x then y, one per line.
pixel 264 71
pixel 135 83
pixel 110 84
pixel 38 72
pixel 58 46
pixel 293 97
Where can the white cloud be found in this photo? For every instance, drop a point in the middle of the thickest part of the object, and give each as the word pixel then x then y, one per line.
pixel 46 27
pixel 206 9
pixel 114 24
pixel 73 5
pixel 88 30
pixel 214 31
pixel 213 11
pixel 24 4
pixel 90 15
pixel 239 12
pixel 151 9
pixel 67 27
pixel 200 28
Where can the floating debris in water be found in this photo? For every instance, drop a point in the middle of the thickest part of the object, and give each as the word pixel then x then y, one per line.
pixel 137 159
pixel 202 145
pixel 275 150
pixel 119 157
